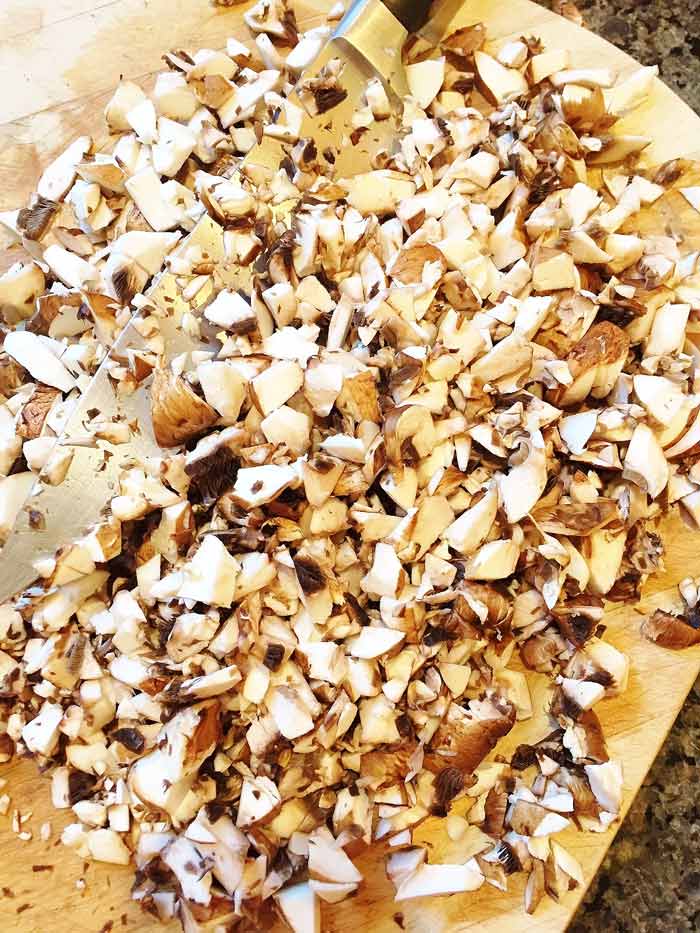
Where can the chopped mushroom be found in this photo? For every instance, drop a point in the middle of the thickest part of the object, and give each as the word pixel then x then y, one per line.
pixel 443 405
pixel 178 413
pixel 671 631
pixel 498 82
pixel 20 286
pixel 440 879
pixel 30 351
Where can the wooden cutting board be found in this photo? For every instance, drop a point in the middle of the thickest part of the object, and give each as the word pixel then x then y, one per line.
pixel 59 60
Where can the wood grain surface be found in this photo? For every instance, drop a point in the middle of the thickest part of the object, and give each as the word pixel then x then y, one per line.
pixel 58 61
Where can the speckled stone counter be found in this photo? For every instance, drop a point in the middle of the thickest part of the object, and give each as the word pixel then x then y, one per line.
pixel 655 32
pixel 650 880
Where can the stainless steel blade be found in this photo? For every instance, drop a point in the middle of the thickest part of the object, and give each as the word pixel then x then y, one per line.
pixel 441 21
pixel 56 515
pixel 369 41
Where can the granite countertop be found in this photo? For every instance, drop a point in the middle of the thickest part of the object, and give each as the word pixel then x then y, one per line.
pixel 655 32
pixel 650 879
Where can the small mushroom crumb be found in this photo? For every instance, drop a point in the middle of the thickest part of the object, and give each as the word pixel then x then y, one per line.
pixel 431 436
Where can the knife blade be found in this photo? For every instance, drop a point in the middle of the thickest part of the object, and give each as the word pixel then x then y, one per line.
pixel 367 43
pixel 54 516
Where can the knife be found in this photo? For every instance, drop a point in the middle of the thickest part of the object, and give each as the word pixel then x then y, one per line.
pixel 368 41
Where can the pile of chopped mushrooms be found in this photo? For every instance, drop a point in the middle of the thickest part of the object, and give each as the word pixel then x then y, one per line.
pixel 435 438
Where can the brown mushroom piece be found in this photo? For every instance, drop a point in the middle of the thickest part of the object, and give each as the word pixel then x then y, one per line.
pixel 409 266
pixel 34 221
pixel 466 40
pixel 358 398
pixel 409 434
pixel 35 411
pixel 49 307
pixel 534 889
pixel 579 618
pixel 507 857
pixel 495 807
pixel 384 768
pixel 672 631
pixel 480 606
pixel 465 737
pixel 585 739
pixel 542 651
pixel 595 363
pixel 178 413
pixel 12 374
pixel 577 519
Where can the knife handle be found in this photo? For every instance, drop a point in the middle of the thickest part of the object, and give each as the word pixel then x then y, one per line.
pixel 413 14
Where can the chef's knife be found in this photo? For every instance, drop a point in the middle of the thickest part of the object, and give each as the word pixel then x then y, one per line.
pixel 368 40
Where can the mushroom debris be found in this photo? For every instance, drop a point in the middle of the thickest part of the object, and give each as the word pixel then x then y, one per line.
pixel 437 435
